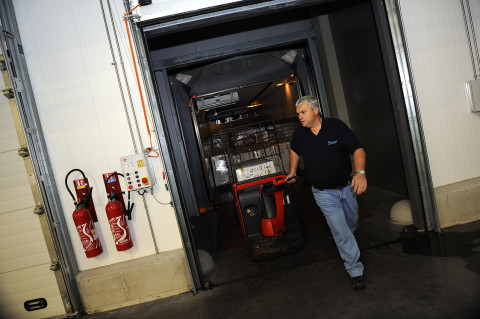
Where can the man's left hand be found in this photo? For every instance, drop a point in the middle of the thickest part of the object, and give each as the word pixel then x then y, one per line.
pixel 359 183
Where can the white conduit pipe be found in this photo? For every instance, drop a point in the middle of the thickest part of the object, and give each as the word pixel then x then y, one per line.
pixel 472 27
pixel 122 65
pixel 124 103
pixel 118 77
pixel 474 67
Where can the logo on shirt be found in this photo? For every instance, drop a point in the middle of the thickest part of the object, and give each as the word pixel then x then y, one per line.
pixel 332 142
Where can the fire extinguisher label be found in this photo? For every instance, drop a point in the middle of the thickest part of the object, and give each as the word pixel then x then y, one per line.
pixel 119 228
pixel 88 236
pixel 113 178
pixel 80 183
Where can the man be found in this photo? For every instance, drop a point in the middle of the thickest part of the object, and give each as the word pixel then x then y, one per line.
pixel 325 144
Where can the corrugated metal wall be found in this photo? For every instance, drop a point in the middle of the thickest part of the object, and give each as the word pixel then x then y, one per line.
pixel 83 118
pixel 440 60
pixel 25 262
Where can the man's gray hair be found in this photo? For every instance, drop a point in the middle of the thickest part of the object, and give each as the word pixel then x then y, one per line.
pixel 310 100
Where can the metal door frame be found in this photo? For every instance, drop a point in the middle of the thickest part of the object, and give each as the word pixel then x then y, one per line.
pixel 182 202
pixel 406 113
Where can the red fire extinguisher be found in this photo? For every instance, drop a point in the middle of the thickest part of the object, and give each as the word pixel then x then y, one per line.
pixel 84 222
pixel 116 218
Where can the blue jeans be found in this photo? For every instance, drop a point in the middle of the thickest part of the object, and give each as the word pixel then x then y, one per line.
pixel 340 208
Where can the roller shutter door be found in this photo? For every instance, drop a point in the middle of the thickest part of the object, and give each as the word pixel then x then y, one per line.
pixel 25 263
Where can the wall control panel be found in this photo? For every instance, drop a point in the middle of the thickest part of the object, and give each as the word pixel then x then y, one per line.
pixel 137 171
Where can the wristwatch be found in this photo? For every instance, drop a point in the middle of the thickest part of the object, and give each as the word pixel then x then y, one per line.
pixel 360 172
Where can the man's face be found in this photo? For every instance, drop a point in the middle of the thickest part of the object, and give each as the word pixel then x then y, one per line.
pixel 306 115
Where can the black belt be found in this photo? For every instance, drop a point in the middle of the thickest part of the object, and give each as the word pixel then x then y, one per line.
pixel 336 188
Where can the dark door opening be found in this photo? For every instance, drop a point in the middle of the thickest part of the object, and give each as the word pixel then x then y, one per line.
pixel 369 113
pixel 213 222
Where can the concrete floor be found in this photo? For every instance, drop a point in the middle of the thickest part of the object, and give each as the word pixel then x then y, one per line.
pixel 403 280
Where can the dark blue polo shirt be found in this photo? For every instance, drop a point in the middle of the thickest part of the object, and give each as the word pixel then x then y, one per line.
pixel 326 156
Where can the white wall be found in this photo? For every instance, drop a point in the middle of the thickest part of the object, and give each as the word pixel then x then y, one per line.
pixel 83 118
pixel 440 60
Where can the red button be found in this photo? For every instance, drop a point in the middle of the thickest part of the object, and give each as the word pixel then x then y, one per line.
pixel 130 187
pixel 145 180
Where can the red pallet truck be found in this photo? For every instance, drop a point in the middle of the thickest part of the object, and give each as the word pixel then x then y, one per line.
pixel 246 145
pixel 266 210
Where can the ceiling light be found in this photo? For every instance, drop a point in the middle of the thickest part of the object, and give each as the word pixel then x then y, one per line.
pixel 184 78
pixel 289 56
pixel 217 100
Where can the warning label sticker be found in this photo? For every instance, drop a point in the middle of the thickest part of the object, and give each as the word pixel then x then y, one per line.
pixel 80 183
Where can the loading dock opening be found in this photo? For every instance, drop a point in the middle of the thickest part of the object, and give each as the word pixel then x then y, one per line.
pixel 369 110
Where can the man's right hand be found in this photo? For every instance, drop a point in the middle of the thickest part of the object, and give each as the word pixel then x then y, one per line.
pixel 291 177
